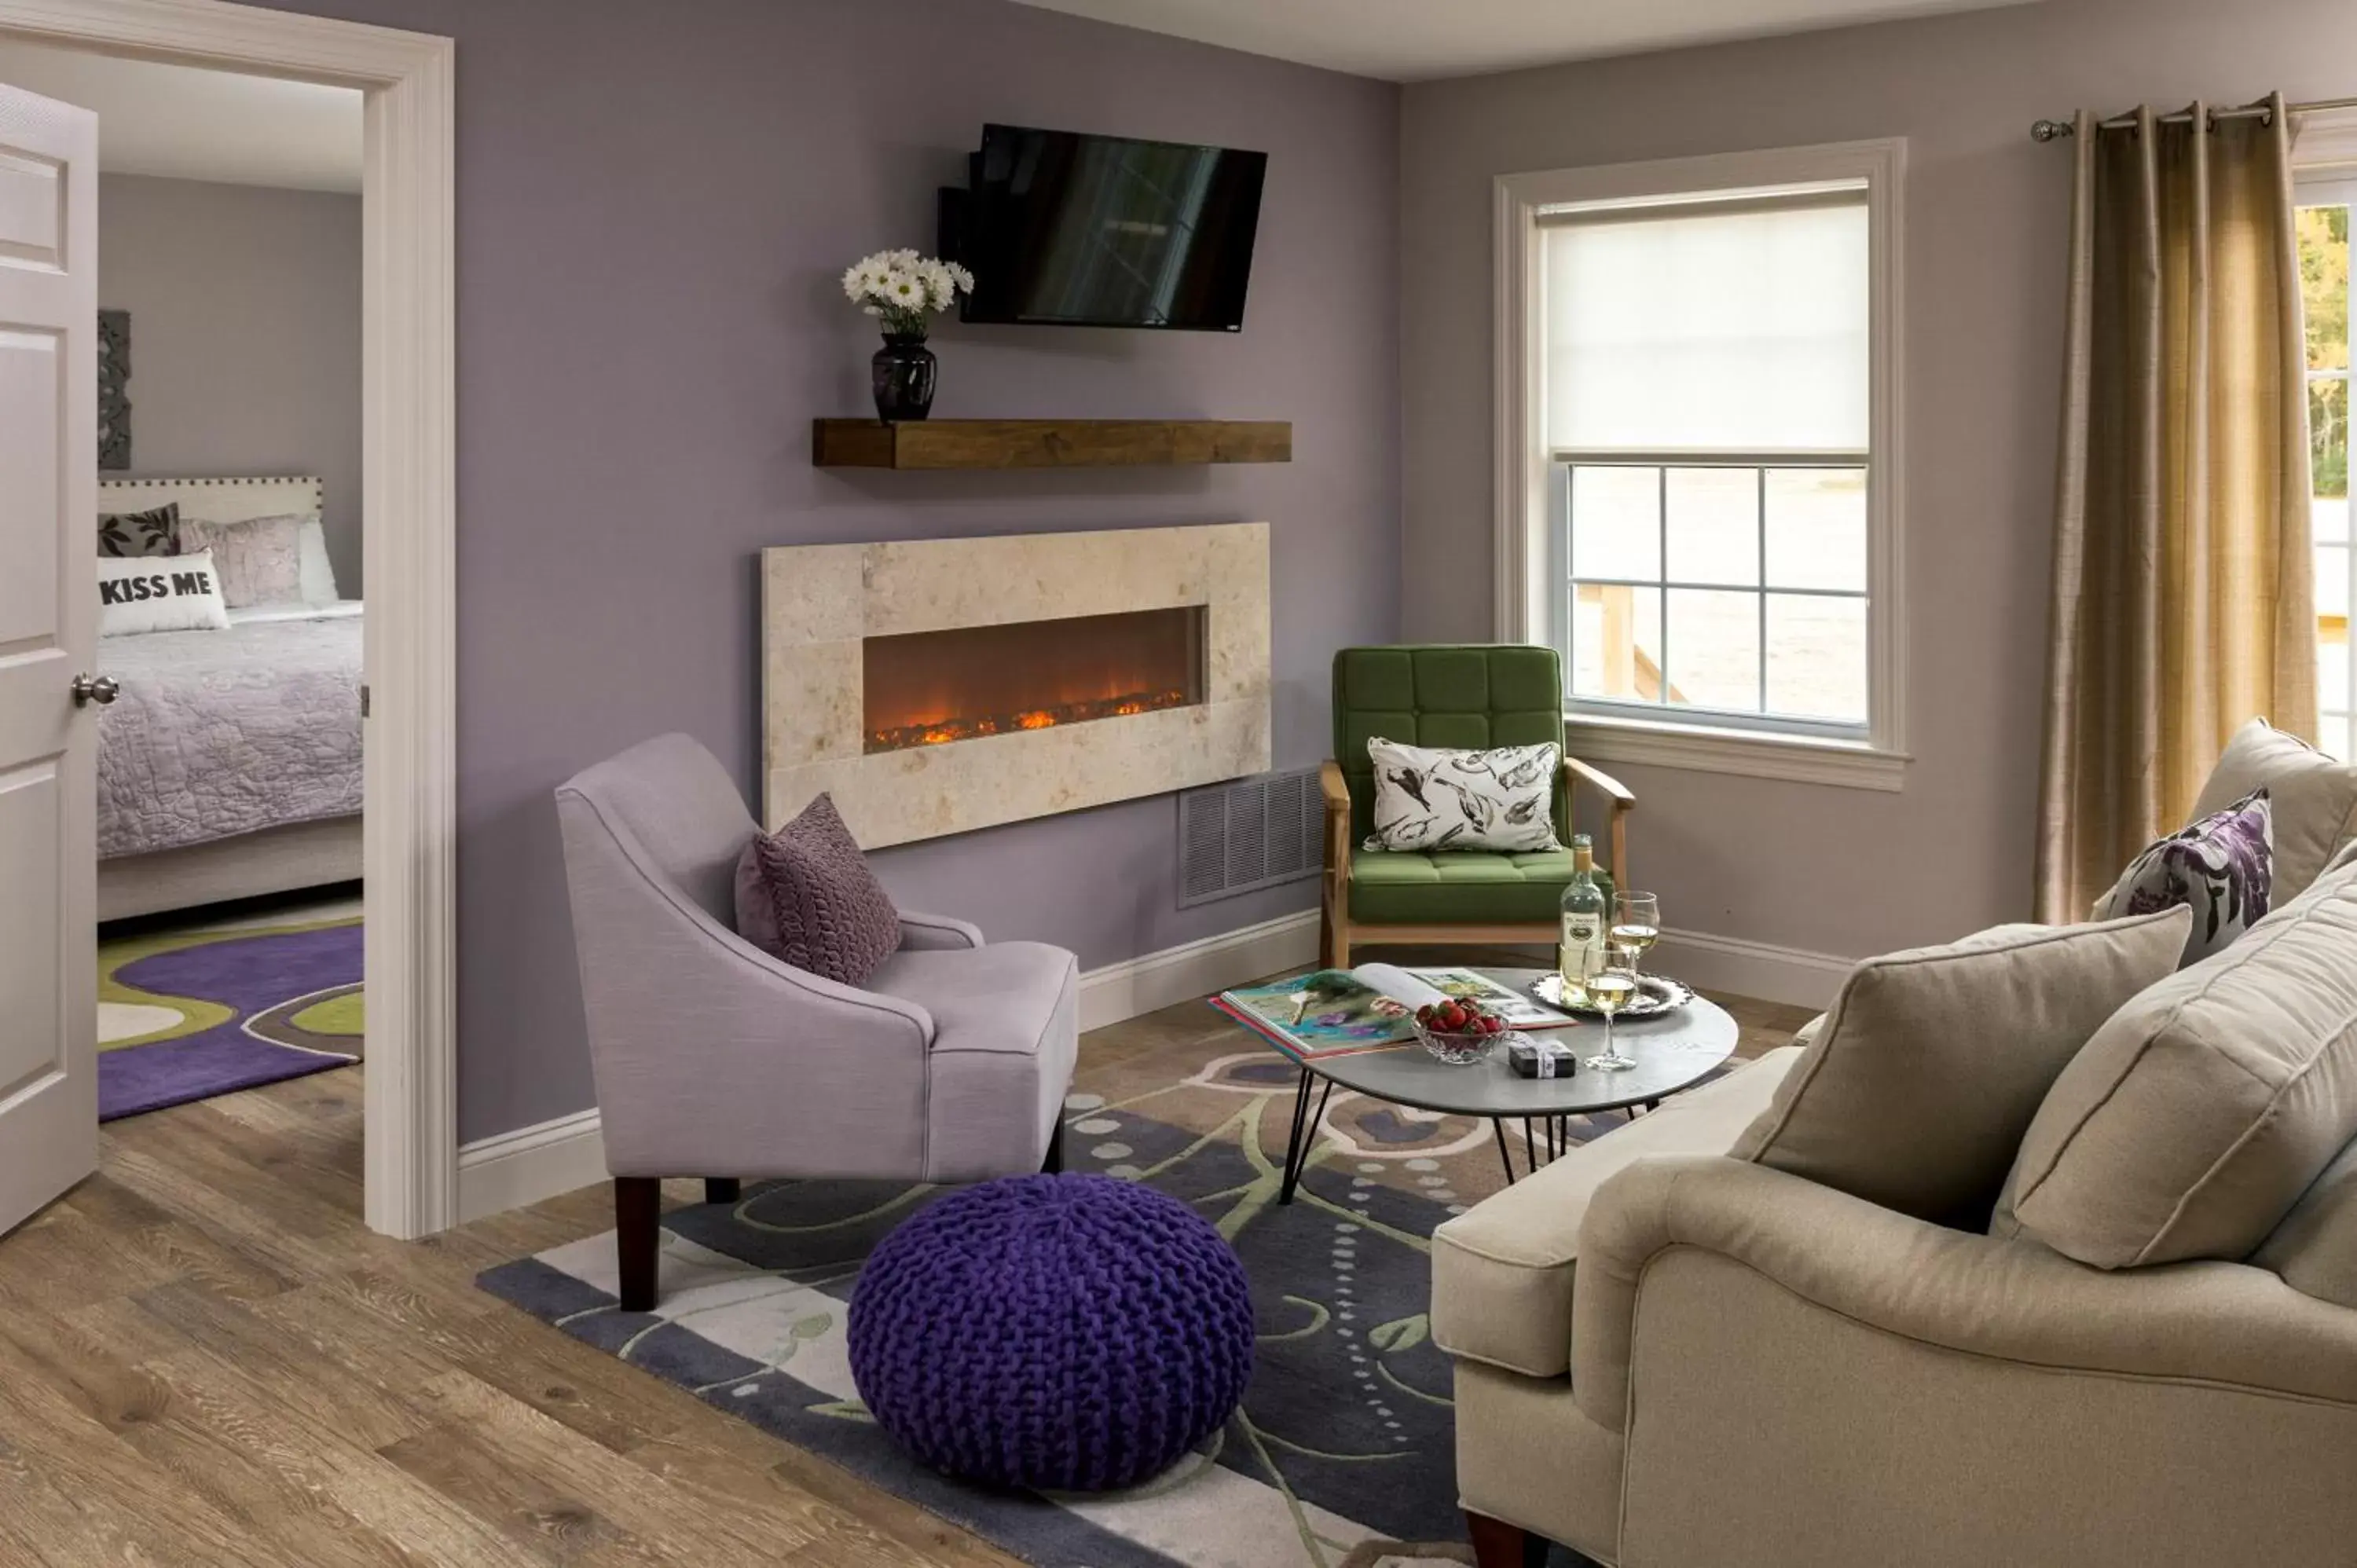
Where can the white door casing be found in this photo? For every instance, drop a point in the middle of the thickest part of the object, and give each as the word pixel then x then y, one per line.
pixel 49 591
pixel 410 498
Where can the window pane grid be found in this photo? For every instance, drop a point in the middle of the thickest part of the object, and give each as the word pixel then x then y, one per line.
pixel 1711 640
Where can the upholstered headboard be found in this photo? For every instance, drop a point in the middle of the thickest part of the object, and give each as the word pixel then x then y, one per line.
pixel 215 500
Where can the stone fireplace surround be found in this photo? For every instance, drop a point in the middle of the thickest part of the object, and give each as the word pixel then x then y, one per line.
pixel 820 602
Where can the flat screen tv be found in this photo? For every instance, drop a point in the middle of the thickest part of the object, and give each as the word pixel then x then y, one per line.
pixel 1067 230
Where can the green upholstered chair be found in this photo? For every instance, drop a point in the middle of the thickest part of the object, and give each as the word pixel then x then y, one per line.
pixel 1448 695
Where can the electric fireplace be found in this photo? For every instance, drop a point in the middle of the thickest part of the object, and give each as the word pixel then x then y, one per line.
pixel 931 688
pixel 938 686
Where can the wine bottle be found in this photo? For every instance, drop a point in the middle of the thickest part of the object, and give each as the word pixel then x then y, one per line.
pixel 1579 950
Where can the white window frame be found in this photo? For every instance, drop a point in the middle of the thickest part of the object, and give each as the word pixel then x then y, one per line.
pixel 2324 166
pixel 1523 545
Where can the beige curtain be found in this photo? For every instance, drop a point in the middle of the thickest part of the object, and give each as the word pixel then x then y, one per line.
pixel 2184 599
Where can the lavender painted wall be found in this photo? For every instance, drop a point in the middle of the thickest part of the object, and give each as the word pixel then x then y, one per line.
pixel 1844 871
pixel 655 199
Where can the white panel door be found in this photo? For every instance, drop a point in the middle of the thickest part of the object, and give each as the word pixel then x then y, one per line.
pixel 49 497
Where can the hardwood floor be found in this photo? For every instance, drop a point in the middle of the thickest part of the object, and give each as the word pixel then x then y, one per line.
pixel 205 1358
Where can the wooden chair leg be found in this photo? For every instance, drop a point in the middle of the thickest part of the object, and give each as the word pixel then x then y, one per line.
pixel 1054 1163
pixel 723 1189
pixel 1497 1545
pixel 637 1236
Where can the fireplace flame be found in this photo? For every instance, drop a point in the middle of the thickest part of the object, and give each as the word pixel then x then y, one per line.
pixel 944 731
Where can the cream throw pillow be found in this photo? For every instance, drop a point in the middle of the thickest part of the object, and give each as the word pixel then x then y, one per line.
pixel 260 559
pixel 1916 1090
pixel 1434 798
pixel 2311 801
pixel 2197 1116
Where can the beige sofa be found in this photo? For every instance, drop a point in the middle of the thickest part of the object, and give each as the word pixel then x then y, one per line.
pixel 1666 1355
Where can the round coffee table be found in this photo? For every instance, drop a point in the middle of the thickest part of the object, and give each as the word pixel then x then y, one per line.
pixel 1672 1052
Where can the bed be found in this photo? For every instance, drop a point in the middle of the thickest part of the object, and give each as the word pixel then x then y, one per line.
pixel 230 765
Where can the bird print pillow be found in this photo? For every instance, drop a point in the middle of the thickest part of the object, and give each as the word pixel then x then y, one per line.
pixel 1429 799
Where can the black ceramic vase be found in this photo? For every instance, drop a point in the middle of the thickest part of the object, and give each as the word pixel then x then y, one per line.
pixel 904 371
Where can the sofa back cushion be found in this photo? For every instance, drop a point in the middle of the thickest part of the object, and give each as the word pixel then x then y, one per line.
pixel 1916 1088
pixel 1461 696
pixel 2199 1115
pixel 2311 801
pixel 2315 1249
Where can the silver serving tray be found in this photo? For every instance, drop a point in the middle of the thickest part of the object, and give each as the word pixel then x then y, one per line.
pixel 1656 994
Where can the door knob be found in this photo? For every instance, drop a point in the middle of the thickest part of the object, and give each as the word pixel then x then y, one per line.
pixel 99 689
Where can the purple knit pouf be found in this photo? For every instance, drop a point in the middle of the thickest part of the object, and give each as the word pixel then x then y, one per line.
pixel 1064 1333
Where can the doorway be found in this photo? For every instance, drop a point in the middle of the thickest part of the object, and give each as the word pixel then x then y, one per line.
pixel 407 490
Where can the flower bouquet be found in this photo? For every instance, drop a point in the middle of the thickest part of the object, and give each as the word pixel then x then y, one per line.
pixel 903 290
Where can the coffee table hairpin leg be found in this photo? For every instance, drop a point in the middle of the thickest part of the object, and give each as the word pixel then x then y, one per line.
pixel 1296 1147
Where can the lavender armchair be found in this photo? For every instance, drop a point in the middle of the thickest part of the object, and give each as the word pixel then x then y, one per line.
pixel 713 1058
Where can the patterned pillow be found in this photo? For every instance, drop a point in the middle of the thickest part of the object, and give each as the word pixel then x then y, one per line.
pixel 1428 798
pixel 804 895
pixel 155 531
pixel 260 558
pixel 2223 867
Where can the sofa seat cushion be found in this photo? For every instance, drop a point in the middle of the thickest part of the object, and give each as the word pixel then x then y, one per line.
pixel 1501 1272
pixel 2202 1111
pixel 1918 1088
pixel 1459 887
pixel 997 997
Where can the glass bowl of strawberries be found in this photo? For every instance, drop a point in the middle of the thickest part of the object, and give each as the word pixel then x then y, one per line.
pixel 1459 1030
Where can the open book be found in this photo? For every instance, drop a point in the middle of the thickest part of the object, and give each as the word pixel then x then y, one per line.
pixel 1335 1011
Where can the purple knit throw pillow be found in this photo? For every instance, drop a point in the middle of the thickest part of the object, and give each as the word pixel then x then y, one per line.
pixel 2223 867
pixel 804 895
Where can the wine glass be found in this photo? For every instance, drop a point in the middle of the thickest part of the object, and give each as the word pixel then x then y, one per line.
pixel 1636 923
pixel 1610 989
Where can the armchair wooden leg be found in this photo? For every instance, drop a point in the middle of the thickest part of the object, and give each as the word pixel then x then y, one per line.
pixel 723 1189
pixel 1054 1163
pixel 637 1236
pixel 1497 1545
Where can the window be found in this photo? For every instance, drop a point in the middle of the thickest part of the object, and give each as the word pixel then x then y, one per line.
pixel 2324 288
pixel 1698 454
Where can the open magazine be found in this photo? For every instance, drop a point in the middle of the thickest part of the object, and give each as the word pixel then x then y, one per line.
pixel 1335 1011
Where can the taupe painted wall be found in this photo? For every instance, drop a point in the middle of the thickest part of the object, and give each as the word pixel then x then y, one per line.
pixel 1830 870
pixel 245 335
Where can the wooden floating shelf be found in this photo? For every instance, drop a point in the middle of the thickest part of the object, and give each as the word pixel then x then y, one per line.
pixel 1045 443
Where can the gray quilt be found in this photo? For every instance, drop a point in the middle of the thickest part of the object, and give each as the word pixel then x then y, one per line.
pixel 222 732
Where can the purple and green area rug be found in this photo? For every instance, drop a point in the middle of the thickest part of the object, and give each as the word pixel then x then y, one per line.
pixel 1343 1452
pixel 185 1016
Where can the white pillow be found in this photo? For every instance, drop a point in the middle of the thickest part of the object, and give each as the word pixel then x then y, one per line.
pixel 1431 797
pixel 159 593
pixel 319 574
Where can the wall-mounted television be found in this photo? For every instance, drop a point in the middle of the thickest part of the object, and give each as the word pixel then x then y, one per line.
pixel 1061 228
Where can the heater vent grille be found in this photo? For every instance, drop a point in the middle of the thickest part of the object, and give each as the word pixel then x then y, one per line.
pixel 1253 833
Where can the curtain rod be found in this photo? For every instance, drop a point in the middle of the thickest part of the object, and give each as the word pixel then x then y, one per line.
pixel 2055 130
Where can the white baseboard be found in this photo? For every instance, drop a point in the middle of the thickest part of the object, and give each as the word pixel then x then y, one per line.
pixel 1791 975
pixel 521 1167
pixel 1197 968
pixel 550 1157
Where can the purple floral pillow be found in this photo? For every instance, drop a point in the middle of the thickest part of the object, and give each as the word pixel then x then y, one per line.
pixel 804 895
pixel 2223 867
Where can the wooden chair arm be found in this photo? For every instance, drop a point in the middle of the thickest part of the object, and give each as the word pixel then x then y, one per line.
pixel 1600 780
pixel 1329 781
pixel 1337 821
pixel 1624 800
